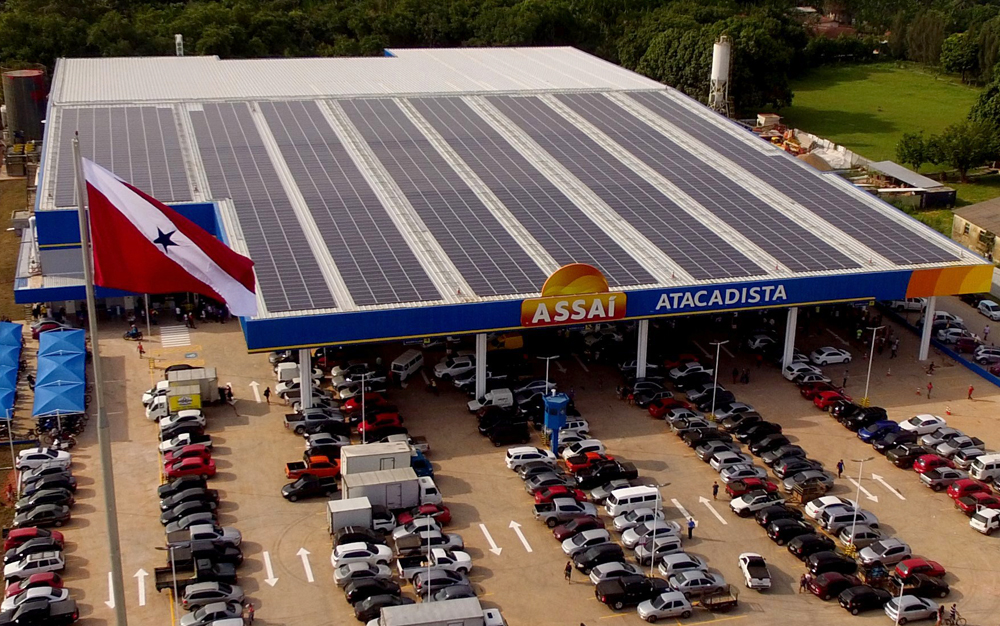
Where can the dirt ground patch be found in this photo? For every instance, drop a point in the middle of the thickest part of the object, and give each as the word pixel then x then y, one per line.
pixel 12 197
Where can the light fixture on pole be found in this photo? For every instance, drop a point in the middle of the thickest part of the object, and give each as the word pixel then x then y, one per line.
pixel 173 571
pixel 715 383
pixel 547 359
pixel 364 416
pixel 857 498
pixel 871 357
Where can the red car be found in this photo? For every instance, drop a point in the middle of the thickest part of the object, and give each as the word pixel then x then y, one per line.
pixel 809 390
pixel 967 486
pixel 909 567
pixel 927 462
pixel 438 512
pixel 45 327
pixel 579 462
pixel 559 491
pixel 825 399
pixel 577 525
pixel 191 466
pixel 975 501
pixel 45 579
pixel 659 408
pixel 681 359
pixel 737 488
pixel 18 536
pixel 354 404
pixel 194 450
pixel 382 420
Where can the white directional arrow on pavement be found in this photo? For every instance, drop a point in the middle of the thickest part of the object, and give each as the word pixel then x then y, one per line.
pixel 141 577
pixel 110 602
pixel 520 535
pixel 680 508
pixel 493 545
pixel 304 555
pixel 256 391
pixel 559 366
pixel 895 492
pixel 867 493
pixel 711 508
pixel 271 580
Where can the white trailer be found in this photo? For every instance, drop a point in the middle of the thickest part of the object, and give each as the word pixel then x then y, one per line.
pixel 393 489
pixel 463 612
pixel 348 512
pixel 204 377
pixel 374 457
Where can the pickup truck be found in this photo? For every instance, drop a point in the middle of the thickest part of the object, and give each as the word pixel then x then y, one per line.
pixel 440 558
pixel 202 571
pixel 318 466
pixel 220 535
pixel 562 510
pixel 629 590
pixel 420 543
pixel 298 422
pixel 418 444
pixel 755 571
pixel 184 557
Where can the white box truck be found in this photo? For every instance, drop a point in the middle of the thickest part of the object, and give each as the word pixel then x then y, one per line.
pixel 393 489
pixel 373 457
pixel 462 612
pixel 348 512
pixel 204 377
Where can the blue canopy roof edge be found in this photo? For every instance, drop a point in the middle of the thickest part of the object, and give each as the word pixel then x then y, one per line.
pixel 11 334
pixel 69 341
pixel 7 403
pixel 60 398
pixel 60 367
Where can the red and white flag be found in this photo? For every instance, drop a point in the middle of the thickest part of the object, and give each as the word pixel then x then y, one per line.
pixel 142 245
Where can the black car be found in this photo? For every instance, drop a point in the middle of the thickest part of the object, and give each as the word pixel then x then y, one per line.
pixel 924 586
pixel 455 592
pixel 187 508
pixel 492 419
pixel 32 546
pixel 904 455
pixel 592 557
pixel 506 433
pixel 861 420
pixel 694 438
pixel 863 598
pixel 893 440
pixel 180 428
pixel 805 546
pixel 771 442
pixel 309 486
pixel 757 432
pixel 41 613
pixel 781 531
pixel 534 468
pixel 773 457
pixel 629 590
pixel 593 477
pixel 775 512
pixel 829 561
pixel 370 608
pixel 362 589
pixel 748 418
pixel 721 398
pixel 694 379
pixel 333 427
pixel 195 494
pixel 46 496
pixel 357 534
pixel 52 481
pixel 843 410
pixel 43 515
pixel 794 465
pixel 180 484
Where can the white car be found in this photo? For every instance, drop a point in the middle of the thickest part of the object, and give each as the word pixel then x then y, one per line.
pixel 814 509
pixel 178 442
pixel 418 525
pixel 725 460
pixel 755 572
pixel 758 342
pixel 689 368
pixel 952 335
pixel 187 416
pixel 671 564
pixel 828 354
pixel 36 563
pixel 638 516
pixel 583 447
pixel 656 528
pixel 39 457
pixel 666 605
pixel 794 370
pixel 910 609
pixel 680 413
pixel 990 309
pixel 923 424
pixel 37 593
pixel 159 390
pixel 516 457
pixel 617 569
pixel 810 377
pixel 754 501
pixel 454 366
pixel 909 304
pixel 361 552
pixel 986 355
pixel 587 539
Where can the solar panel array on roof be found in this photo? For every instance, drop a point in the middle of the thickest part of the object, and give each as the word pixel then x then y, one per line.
pixel 372 257
pixel 488 257
pixel 866 224
pixel 564 230
pixel 237 167
pixel 139 144
pixel 768 228
pixel 689 243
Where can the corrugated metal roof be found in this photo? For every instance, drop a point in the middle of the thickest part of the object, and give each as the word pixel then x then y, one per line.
pixel 900 173
pixel 411 71
pixel 985 215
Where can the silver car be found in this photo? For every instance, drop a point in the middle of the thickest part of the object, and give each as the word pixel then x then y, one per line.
pixel 862 536
pixel 697 583
pixel 668 544
pixel 600 494
pixel 586 539
pixel 351 572
pixel 940 435
pixel 950 448
pixel 625 521
pixel 199 594
pixel 617 569
pixel 808 477
pixel 707 451
pixel 885 552
pixel 963 458
pixel 940 478
pixel 658 528
pixel 672 564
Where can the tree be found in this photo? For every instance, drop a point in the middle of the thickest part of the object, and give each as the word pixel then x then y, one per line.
pixel 989 48
pixel 987 106
pixel 912 150
pixel 964 146
pixel 960 54
pixel 924 37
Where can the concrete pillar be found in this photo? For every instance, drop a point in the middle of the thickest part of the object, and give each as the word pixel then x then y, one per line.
pixel 305 375
pixel 925 332
pixel 642 351
pixel 790 324
pixel 480 365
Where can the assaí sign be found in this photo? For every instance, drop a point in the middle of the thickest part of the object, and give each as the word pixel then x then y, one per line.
pixel 574 294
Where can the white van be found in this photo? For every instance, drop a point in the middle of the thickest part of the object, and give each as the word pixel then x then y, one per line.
pixel 632 498
pixel 429 493
pixel 407 364
pixel 985 467
pixel 502 398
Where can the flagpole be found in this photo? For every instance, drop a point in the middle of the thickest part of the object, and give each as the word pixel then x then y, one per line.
pixel 103 431
pixel 149 329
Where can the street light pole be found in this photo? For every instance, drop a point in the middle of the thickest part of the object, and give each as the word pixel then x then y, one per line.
pixel 547 359
pixel 715 384
pixel 364 416
pixel 173 572
pixel 857 498
pixel 656 519
pixel 871 357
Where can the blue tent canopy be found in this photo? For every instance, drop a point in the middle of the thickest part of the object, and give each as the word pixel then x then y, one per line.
pixel 60 367
pixel 10 334
pixel 58 399
pixel 10 356
pixel 8 377
pixel 6 403
pixel 61 342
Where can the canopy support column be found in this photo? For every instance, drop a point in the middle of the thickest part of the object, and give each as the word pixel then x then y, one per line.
pixel 305 378
pixel 642 350
pixel 925 332
pixel 480 365
pixel 790 325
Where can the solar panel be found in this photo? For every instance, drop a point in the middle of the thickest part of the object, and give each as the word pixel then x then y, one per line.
pixel 554 221
pixel 237 167
pixel 764 225
pixel 689 243
pixel 371 255
pixel 810 189
pixel 139 144
pixel 488 257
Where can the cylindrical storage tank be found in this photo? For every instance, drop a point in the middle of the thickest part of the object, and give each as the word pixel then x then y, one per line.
pixel 720 59
pixel 24 94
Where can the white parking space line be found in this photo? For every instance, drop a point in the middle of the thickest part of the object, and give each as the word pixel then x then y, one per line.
pixel 838 337
pixel 728 353
pixel 894 491
pixel 427 381
pixel 110 602
pixel 174 336
pixel 582 364
pixel 559 366
pixel 702 350
pixel 677 505
pixel 867 493
pixel 708 503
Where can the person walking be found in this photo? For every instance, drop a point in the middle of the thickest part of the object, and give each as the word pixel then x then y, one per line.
pixel 568 571
pixel 940 615
pixel 690 527
pixel 971 389
pixel 715 490
pixel 894 348
pixel 952 613
pixel 840 468
pixel 250 612
pixel 802 583
pixel 930 388
pixel 140 350
pixel 846 374
pixel 267 394
pixel 746 376
pixel 986 333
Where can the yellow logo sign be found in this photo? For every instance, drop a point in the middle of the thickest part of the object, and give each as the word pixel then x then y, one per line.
pixel 574 294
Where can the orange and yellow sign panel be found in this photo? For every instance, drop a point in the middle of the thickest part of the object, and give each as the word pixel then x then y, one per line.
pixel 574 294
pixel 950 281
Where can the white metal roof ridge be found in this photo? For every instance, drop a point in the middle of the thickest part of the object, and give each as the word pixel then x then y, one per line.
pixel 231 226
pixel 197 180
pixel 771 266
pixel 654 260
pixel 516 229
pixel 802 216
pixel 331 275
pixel 52 147
pixel 432 257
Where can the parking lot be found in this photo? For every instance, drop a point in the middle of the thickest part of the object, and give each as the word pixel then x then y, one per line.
pixel 286 544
